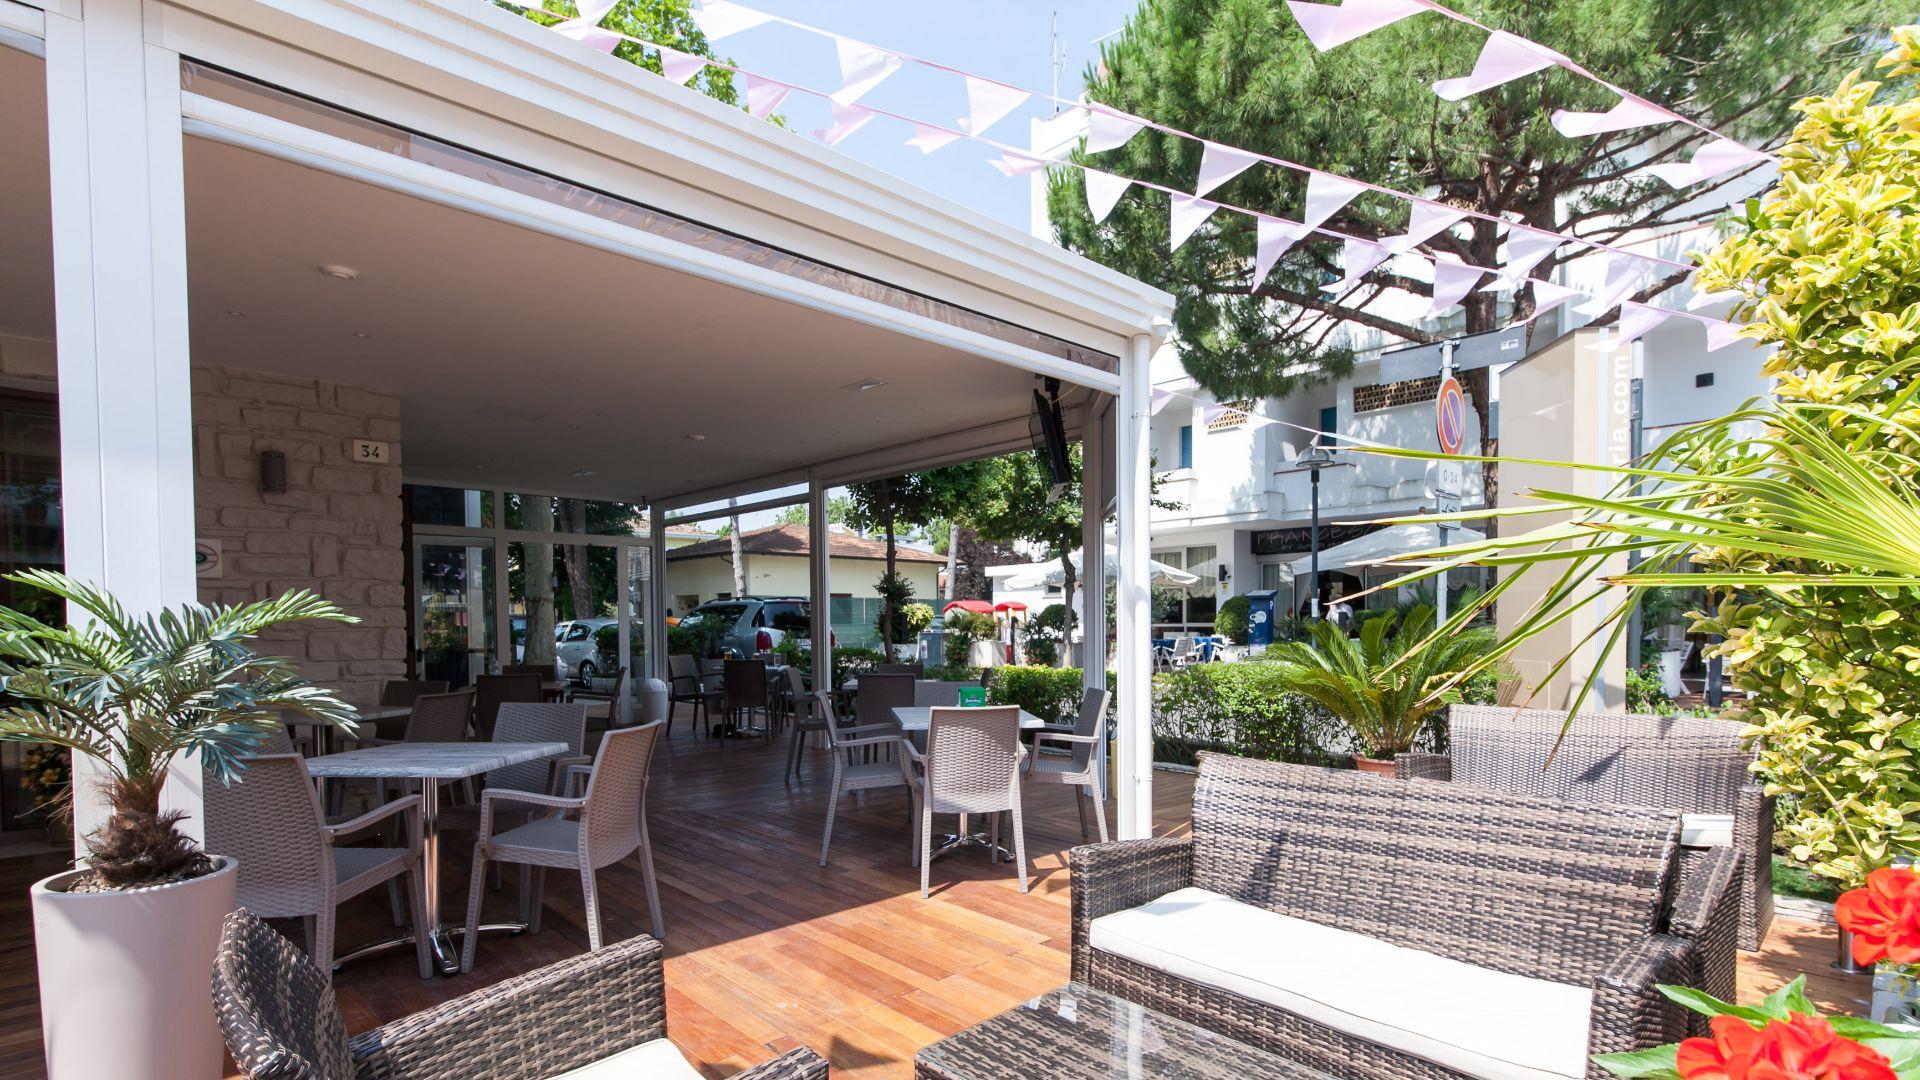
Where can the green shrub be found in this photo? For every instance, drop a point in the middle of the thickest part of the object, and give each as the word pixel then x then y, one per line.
pixel 1645 693
pixel 1231 620
pixel 697 638
pixel 963 629
pixel 915 617
pixel 1046 692
pixel 954 673
pixel 1245 709
pixel 1043 652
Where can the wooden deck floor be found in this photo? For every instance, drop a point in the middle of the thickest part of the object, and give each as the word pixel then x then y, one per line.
pixel 766 950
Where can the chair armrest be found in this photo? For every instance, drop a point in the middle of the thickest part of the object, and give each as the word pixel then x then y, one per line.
pixel 857 729
pixel 497 795
pixel 546 1022
pixel 1629 1012
pixel 798 1063
pixel 1706 912
pixel 1060 737
pixel 875 740
pixel 557 770
pixel 1121 875
pixel 378 813
pixel 1753 838
pixel 1423 766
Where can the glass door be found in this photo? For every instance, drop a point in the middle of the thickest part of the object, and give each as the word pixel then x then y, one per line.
pixel 453 612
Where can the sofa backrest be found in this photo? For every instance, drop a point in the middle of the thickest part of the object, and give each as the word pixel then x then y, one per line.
pixel 1535 887
pixel 1688 763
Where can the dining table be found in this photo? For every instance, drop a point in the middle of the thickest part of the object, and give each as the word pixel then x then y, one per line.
pixel 430 764
pixel 324 735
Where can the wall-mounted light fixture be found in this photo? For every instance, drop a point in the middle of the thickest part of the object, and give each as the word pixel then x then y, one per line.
pixel 273 472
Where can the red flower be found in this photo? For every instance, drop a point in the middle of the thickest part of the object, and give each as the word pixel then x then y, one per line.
pixel 1884 917
pixel 1798 1048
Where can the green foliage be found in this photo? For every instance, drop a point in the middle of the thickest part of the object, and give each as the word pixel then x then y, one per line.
pixel 1046 692
pixel 916 617
pixel 1792 879
pixel 1045 633
pixel 1645 694
pixel 895 591
pixel 1231 620
pixel 1900 1046
pixel 664 22
pixel 1247 709
pixel 699 638
pixel 954 673
pixel 963 629
pixel 789 651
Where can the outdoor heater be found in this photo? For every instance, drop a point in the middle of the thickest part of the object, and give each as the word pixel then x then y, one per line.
pixel 1313 459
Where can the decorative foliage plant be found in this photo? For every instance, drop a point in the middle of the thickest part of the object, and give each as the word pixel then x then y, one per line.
pixel 135 693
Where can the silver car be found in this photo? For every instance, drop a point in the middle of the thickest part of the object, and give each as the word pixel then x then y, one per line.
pixel 576 655
pixel 753 625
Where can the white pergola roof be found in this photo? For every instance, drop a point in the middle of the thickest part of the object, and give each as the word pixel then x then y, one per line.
pixel 1373 549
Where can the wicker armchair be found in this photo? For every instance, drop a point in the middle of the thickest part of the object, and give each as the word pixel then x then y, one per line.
pixel 1695 765
pixel 280 1020
pixel 973 764
pixel 1534 898
pixel 1081 768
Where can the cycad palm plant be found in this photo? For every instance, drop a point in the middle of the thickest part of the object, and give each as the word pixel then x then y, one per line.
pixel 135 693
pixel 1383 681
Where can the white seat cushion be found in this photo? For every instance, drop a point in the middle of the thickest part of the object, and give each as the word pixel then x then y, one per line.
pixel 1470 1019
pixel 656 1060
pixel 1706 830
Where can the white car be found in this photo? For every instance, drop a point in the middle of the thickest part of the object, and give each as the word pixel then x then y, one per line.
pixel 576 655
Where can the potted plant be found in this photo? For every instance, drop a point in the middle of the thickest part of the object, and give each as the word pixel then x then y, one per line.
pixel 1386 682
pixel 125 940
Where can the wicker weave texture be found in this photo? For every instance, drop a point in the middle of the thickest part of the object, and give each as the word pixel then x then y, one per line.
pixel 441 717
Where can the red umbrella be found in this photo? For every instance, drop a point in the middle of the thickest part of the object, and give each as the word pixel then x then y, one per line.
pixel 978 607
pixel 1010 605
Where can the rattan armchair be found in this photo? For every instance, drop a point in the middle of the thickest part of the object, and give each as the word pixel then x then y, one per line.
pixel 281 1021
pixel 1080 769
pixel 1697 765
pixel 972 766
pixel 1546 892
pixel 869 775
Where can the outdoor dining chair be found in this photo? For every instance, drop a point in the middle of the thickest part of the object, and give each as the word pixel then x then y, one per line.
pixel 611 824
pixel 878 696
pixel 291 861
pixel 493 691
pixel 545 671
pixel 871 775
pixel 602 704
pixel 401 694
pixel 525 722
pixel 972 765
pixel 1081 767
pixel 745 682
pixel 808 718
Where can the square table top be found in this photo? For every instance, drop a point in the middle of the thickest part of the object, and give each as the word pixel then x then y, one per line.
pixel 430 760
pixel 1079 1033
pixel 916 718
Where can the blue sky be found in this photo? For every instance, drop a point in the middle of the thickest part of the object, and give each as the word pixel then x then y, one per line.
pixel 1002 39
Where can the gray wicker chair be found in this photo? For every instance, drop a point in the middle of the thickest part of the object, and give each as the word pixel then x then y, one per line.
pixel 520 721
pixel 291 861
pixel 1444 876
pixel 1698 766
pixel 972 766
pixel 612 825
pixel 1081 768
pixel 808 717
pixel 870 775
pixel 281 1021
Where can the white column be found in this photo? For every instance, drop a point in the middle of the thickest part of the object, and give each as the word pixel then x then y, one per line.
pixel 820 582
pixel 1133 668
pixel 120 316
pixel 1095 452
pixel 657 587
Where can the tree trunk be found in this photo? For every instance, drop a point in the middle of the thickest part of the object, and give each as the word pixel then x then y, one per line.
pixel 953 559
pixel 739 556
pixel 1066 598
pixel 887 612
pixel 536 582
pixel 573 515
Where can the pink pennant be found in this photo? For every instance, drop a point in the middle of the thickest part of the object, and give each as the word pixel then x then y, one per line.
pixel 847 119
pixel 1188 214
pixel 1158 400
pixel 592 11
pixel 1636 320
pixel 585 32
pixel 1547 296
pixel 1503 59
pixel 1452 281
pixel 720 18
pixel 1219 164
pixel 1103 193
pixel 1107 130
pixel 1326 194
pixel 1623 273
pixel 929 137
pixel 1273 236
pixel 680 67
pixel 1628 114
pixel 1716 157
pixel 1721 333
pixel 1012 164
pixel 765 95
pixel 1707 299
pixel 988 102
pixel 1427 221
pixel 862 67
pixel 1357 259
pixel 1328 25
pixel 1526 248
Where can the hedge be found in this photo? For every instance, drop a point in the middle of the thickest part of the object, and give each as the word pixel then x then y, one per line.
pixel 1046 692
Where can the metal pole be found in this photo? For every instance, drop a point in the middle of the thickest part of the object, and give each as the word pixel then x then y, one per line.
pixel 1636 435
pixel 1440 582
pixel 1313 541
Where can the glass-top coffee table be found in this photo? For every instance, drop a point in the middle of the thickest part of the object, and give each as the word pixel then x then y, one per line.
pixel 1078 1033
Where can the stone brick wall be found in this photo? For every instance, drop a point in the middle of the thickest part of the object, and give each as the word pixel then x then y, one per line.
pixel 336 530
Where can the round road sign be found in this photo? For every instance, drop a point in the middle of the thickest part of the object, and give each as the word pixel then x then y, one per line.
pixel 1450 416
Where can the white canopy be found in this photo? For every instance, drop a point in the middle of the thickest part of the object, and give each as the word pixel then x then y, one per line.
pixel 1371 549
pixel 1041 574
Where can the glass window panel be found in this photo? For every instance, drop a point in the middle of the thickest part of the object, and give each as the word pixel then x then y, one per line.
pixel 469 508
pixel 546 513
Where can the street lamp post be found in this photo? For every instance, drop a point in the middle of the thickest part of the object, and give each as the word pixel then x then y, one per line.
pixel 1313 459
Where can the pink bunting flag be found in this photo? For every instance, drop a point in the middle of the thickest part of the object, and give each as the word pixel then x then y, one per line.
pixel 592 11
pixel 1636 320
pixel 720 18
pixel 862 67
pixel 1219 164
pixel 1628 114
pixel 1103 193
pixel 1328 25
pixel 1427 221
pixel 1326 194
pixel 989 102
pixel 1357 260
pixel 847 119
pixel 585 32
pixel 1189 213
pixel 930 137
pixel 1716 157
pixel 1273 236
pixel 765 95
pixel 1012 164
pixel 1108 129
pixel 1721 333
pixel 1503 59
pixel 1526 248
pixel 1707 299
pixel 1157 400
pixel 1452 281
pixel 1548 296
pixel 680 67
pixel 1623 273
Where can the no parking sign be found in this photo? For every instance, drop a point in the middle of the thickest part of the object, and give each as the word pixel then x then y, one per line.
pixel 1450 416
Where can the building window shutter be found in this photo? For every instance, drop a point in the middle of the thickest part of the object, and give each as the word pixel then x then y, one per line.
pixel 1186 446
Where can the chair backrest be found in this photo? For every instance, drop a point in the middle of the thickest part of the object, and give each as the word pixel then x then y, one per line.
pixel 270 819
pixel 545 721
pixel 545 671
pixel 1183 645
pixel 1091 721
pixel 441 717
pixel 1535 887
pixel 399 693
pixel 684 672
pixel 879 695
pixel 617 793
pixel 806 712
pixel 279 741
pixel 914 670
pixel 493 691
pixel 746 684
pixel 276 1008
pixel 1687 763
pixel 973 759
pixel 928 693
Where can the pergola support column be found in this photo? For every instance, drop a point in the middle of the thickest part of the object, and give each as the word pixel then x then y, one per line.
pixel 657 593
pixel 1133 666
pixel 820 583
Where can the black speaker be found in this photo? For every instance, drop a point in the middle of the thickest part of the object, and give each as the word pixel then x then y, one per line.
pixel 273 472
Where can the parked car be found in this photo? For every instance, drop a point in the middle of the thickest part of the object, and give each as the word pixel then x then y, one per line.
pixel 576 655
pixel 751 625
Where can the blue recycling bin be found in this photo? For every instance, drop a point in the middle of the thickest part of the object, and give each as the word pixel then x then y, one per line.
pixel 1260 617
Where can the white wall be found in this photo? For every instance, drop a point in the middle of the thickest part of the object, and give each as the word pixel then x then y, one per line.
pixel 787 575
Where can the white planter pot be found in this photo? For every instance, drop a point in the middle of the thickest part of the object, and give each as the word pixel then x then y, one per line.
pixel 125 977
pixel 985 653
pixel 1670 663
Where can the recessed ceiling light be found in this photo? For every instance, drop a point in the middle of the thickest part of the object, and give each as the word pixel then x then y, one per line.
pixel 236 314
pixel 362 334
pixel 698 438
pixel 338 272
pixel 582 474
pixel 865 385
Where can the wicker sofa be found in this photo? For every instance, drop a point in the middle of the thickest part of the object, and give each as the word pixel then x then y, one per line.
pixel 1698 766
pixel 1373 927
pixel 600 1016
